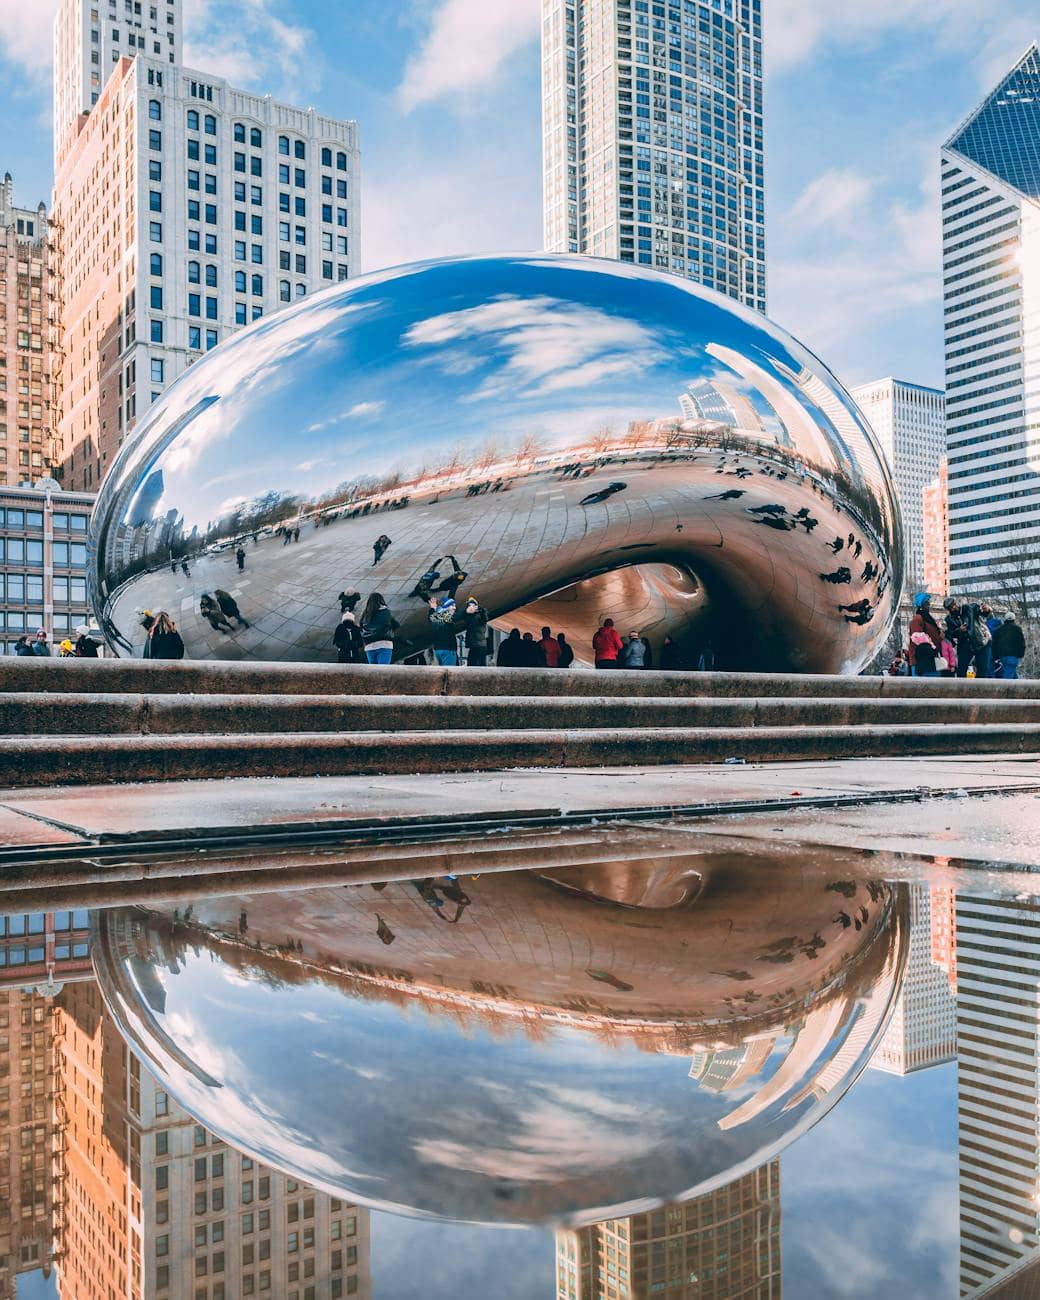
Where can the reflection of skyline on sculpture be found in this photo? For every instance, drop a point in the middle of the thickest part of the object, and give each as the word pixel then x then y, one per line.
pixel 565 1040
pixel 517 384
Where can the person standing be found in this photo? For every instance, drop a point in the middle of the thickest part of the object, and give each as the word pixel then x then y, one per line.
pixel 86 645
pixel 23 647
pixel 510 654
pixel 607 645
pixel 240 556
pixel 164 638
pixel 981 641
pixel 531 655
pixel 40 648
pixel 476 622
pixel 566 651
pixel 923 624
pixel 211 612
pixel 671 657
pixel 633 653
pixel 377 628
pixel 1009 646
pixel 648 652
pixel 957 632
pixel 550 648
pixel 348 640
pixel 445 634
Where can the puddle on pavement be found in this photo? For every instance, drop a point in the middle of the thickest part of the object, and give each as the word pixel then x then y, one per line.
pixel 681 1070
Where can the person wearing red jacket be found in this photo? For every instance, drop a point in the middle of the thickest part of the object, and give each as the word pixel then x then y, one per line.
pixel 607 645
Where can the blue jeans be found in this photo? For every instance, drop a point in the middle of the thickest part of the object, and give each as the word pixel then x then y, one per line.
pixel 919 672
pixel 379 656
pixel 446 658
pixel 984 661
pixel 1010 663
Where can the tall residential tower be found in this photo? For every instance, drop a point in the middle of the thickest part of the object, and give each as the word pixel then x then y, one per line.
pixel 185 210
pixel 652 137
pixel 910 423
pixel 991 292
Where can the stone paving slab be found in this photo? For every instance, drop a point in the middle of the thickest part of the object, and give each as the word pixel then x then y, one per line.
pixel 244 804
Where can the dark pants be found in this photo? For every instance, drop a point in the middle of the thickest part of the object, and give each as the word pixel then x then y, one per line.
pixel 984 661
pixel 606 663
pixel 476 657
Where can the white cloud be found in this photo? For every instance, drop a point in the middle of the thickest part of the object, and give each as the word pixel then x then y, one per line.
pixel 25 33
pixel 359 411
pixel 835 198
pixel 468 42
pixel 248 43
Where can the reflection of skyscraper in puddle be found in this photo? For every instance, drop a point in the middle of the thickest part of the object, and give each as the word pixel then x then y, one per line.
pixel 152 1205
pixel 998 1045
pixel 724 1244
pixel 923 1028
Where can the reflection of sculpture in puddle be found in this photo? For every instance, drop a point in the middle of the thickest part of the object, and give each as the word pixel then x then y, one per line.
pixel 554 1004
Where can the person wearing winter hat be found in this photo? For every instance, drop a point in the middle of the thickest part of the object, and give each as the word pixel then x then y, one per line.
pixel 923 625
pixel 475 618
pixel 1009 645
pixel 87 647
pixel 348 640
pixel 65 649
pixel 442 618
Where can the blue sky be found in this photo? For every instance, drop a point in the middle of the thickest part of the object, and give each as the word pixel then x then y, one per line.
pixel 858 99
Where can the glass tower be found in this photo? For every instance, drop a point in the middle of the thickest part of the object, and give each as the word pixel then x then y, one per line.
pixel 991 302
pixel 652 137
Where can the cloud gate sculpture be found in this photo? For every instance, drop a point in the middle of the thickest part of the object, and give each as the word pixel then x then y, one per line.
pixel 560 436
pixel 515 1047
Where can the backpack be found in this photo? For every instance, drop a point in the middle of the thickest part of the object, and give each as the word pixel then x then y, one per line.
pixel 443 615
pixel 980 634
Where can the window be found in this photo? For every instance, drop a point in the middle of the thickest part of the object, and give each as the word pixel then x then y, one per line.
pixel 326 157
pixel 256 140
pixel 154 201
pixel 240 162
pixel 210 155
pixel 240 133
pixel 211 339
pixel 162 1104
pixel 155 264
pixel 195 338
pixel 158 371
pixel 341 162
pixel 193 240
pixel 162 1178
pixel 240 282
pixel 300 178
pixel 194 271
pixel 211 276
pixel 256 166
pixel 155 140
pixel 300 149
pixel 193 149
pixel 210 125
pixel 210 184
pixel 211 244
pixel 155 110
pixel 300 206
pixel 194 211
pixel 283 173
pixel 256 224
pixel 155 231
pixel 155 297
pixel 257 254
pixel 193 180
pixel 211 214
pixel 326 270
pixel 284 291
pixel 284 231
pixel 162 1140
pixel 301 264
pixel 240 220
pixel 240 314
pixel 211 309
pixel 240 250
pixel 283 144
pixel 193 119
pixel 194 304
pixel 326 212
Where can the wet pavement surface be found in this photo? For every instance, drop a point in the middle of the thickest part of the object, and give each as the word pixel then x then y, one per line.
pixel 633 1061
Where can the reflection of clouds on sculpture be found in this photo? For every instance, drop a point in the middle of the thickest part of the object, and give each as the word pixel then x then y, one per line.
pixel 548 345
pixel 550 1056
pixel 525 386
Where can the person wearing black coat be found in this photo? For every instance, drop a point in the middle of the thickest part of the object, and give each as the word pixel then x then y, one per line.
pixel 164 639
pixel 1009 646
pixel 348 641
pixel 531 653
pixel 566 651
pixel 510 654
pixel 86 646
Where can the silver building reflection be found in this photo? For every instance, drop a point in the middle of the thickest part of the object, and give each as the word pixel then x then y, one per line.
pixel 514 1047
pixel 521 429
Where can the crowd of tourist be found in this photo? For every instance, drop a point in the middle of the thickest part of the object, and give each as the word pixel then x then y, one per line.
pixel 968 639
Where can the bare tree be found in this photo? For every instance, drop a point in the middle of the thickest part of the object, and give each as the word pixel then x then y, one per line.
pixel 529 446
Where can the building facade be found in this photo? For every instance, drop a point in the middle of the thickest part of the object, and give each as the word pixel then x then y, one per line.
pixel 28 338
pixel 991 304
pixel 652 137
pixel 923 1028
pixel 910 423
pixel 186 209
pixel 43 562
pixel 726 1243
pixel 935 519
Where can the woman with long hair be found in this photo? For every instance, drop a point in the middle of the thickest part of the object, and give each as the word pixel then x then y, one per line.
pixel 377 628
pixel 164 639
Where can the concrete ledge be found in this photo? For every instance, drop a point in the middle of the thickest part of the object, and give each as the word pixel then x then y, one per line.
pixel 90 714
pixel 72 760
pixel 212 677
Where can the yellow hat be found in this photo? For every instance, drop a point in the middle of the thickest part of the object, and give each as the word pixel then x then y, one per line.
pixel 66 645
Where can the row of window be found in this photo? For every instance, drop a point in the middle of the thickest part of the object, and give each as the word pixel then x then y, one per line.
pixel 63 522
pixel 19 588
pixel 21 550
pixel 36 922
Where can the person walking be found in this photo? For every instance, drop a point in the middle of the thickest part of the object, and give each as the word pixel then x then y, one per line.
pixel 566 651
pixel 211 612
pixel 445 634
pixel 296 533
pixel 240 556
pixel 165 640
pixel 379 548
pixel 922 661
pixel 607 645
pixel 87 647
pixel 1009 646
pixel 40 648
pixel 633 653
pixel 550 648
pixel 377 628
pixel 510 654
pixel 475 619
pixel 229 606
pixel 348 640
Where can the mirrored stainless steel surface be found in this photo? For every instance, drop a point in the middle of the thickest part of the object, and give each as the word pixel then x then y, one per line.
pixel 568 1045
pixel 517 427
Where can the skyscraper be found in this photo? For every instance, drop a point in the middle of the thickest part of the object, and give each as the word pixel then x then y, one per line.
pixel 910 423
pixel 923 1028
pixel 186 209
pixel 991 302
pixel 725 1243
pixel 652 137
pixel 28 335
